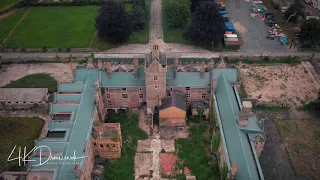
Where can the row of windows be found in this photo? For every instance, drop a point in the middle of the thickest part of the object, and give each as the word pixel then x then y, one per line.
pixel 107 146
pixel 22 102
pixel 109 154
pixel 124 96
pixel 188 95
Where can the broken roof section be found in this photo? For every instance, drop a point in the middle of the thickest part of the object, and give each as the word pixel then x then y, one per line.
pixel 238 147
pixel 23 94
pixel 175 100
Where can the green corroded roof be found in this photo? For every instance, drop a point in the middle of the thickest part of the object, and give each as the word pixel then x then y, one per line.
pixel 78 131
pixel 236 138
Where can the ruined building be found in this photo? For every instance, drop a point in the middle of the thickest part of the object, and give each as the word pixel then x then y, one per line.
pixel 164 85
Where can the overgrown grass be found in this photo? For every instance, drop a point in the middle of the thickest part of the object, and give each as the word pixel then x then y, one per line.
pixel 9 22
pixel 55 27
pixel 267 60
pixel 35 81
pixel 270 108
pixel 194 155
pixel 123 168
pixel 301 140
pixel 18 132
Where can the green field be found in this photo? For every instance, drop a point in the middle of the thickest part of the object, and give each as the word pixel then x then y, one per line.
pixel 55 27
pixel 18 132
pixel 7 3
pixel 35 81
pixel 9 22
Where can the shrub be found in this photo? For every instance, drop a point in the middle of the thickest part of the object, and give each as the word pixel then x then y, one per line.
pixel 59 49
pixel 68 49
pixel 177 13
pixel 44 49
pixel 22 50
pixel 138 18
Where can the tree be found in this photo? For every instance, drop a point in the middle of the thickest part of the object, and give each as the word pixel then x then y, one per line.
pixel 309 37
pixel 177 13
pixel 112 23
pixel 141 3
pixel 138 18
pixel 196 3
pixel 207 25
pixel 296 8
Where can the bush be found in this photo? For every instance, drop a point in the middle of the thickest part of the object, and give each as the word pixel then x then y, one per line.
pixel 177 13
pixel 22 49
pixel 68 49
pixel 59 49
pixel 140 3
pixel 138 18
pixel 44 49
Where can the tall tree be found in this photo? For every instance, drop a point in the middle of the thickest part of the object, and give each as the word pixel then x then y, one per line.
pixel 295 10
pixel 177 13
pixel 207 25
pixel 112 23
pixel 141 3
pixel 309 37
pixel 138 18
pixel 196 3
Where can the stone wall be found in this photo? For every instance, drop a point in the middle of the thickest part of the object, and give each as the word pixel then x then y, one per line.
pixel 124 97
pixel 88 164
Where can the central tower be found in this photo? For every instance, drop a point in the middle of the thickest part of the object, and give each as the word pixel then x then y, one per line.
pixel 156 71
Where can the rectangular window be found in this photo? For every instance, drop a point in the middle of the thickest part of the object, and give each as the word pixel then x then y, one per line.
pixel 169 94
pixel 108 96
pixel 140 96
pixel 204 96
pixel 56 134
pixel 124 103
pixel 188 95
pixel 101 145
pixel 187 88
pixel 124 95
pixel 109 103
pixel 155 78
pixel 188 102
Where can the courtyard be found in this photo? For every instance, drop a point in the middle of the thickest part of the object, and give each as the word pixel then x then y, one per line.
pixel 59 71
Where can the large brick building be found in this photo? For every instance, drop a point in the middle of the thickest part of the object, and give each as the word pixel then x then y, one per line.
pixel 169 85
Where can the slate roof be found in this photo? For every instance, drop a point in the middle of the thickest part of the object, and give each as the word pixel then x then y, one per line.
pixel 175 100
pixel 239 148
pixel 23 94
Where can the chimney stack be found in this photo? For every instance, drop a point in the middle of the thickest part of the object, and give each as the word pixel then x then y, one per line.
pixel 203 67
pixel 244 114
pixel 135 68
pixel 109 70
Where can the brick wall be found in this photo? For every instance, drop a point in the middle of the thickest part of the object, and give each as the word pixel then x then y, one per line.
pixel 88 164
pixel 121 97
pixel 192 93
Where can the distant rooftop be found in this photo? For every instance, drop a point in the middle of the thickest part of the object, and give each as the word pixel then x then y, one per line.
pixel 22 94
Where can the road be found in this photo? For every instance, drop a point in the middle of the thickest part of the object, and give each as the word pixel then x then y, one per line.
pixel 156 30
pixel 80 56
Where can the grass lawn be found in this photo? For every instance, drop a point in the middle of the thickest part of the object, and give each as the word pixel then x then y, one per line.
pixel 9 22
pixel 35 81
pixel 123 168
pixel 194 152
pixel 55 27
pixel 18 132
pixel 301 140
pixel 7 3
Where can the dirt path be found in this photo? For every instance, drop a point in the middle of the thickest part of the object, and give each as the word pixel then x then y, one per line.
pixel 12 30
pixel 7 14
pixel 156 29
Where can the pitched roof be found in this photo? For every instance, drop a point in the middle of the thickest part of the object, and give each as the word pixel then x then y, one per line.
pixel 22 94
pixel 237 143
pixel 77 129
pixel 175 100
